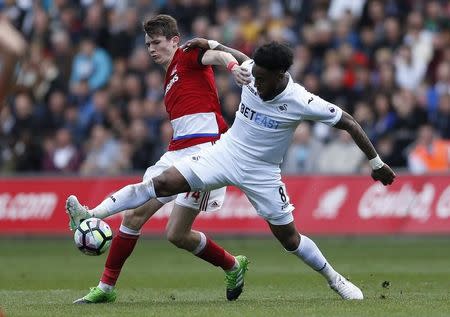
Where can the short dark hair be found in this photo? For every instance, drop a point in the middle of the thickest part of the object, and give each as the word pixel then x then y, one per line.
pixel 162 24
pixel 274 56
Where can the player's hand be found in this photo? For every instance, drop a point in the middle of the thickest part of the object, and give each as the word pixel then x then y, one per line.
pixel 241 75
pixel 384 174
pixel 196 43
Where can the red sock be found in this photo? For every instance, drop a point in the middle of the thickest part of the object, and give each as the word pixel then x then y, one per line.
pixel 121 247
pixel 216 255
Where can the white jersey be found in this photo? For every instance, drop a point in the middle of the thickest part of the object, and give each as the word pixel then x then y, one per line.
pixel 264 129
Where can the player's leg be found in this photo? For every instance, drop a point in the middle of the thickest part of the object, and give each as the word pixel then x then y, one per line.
pixel 179 232
pixel 268 195
pixel 211 169
pixel 127 198
pixel 192 173
pixel 121 248
pixel 170 182
pixel 305 249
pixel 124 242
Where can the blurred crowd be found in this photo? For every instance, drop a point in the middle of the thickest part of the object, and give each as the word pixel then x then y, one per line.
pixel 89 99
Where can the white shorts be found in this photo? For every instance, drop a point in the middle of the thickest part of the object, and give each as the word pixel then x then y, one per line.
pixel 198 200
pixel 218 166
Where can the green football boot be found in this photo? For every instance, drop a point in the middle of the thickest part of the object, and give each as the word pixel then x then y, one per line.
pixel 96 296
pixel 77 213
pixel 235 279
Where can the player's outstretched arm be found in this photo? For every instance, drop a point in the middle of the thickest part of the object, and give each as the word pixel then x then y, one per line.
pixel 214 45
pixel 380 170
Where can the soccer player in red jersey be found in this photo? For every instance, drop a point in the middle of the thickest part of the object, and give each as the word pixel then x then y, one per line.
pixel 193 106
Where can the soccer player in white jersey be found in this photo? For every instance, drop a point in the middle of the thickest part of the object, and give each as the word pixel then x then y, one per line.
pixel 249 155
pixel 193 106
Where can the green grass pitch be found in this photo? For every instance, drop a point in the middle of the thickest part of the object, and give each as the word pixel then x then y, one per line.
pixel 41 277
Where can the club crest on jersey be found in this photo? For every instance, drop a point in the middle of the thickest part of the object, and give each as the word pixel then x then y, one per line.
pixel 282 108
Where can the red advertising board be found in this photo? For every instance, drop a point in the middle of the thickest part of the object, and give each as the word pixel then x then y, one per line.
pixel 324 205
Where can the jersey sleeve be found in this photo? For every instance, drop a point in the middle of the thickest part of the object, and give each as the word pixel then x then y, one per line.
pixel 314 108
pixel 193 57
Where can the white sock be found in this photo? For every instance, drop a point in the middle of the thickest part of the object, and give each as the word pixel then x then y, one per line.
pixel 128 197
pixel 105 287
pixel 129 231
pixel 311 255
pixel 201 245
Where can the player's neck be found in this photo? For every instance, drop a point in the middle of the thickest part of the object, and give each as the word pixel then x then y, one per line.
pixel 166 65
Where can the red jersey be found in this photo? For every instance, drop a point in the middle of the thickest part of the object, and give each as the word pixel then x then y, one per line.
pixel 191 100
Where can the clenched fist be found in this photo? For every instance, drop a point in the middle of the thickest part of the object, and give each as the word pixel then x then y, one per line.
pixel 384 174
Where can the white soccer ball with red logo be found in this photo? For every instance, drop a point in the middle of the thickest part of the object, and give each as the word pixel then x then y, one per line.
pixel 93 236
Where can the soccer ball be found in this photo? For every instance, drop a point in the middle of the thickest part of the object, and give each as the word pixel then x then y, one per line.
pixel 93 236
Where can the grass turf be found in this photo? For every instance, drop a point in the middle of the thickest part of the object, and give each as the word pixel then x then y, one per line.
pixel 41 278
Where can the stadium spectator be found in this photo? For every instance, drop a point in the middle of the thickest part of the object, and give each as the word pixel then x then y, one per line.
pixel 440 87
pixel 102 154
pixel 386 147
pixel 365 116
pixel 340 156
pixel 385 116
pixel 63 53
pixel 442 119
pixel 92 64
pixel 53 112
pixel 410 70
pixel 303 154
pixel 430 154
pixel 143 148
pixel 61 154
pixel 339 8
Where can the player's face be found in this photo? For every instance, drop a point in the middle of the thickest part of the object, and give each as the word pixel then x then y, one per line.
pixel 266 82
pixel 160 48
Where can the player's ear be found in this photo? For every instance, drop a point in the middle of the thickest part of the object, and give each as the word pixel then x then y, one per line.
pixel 175 40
